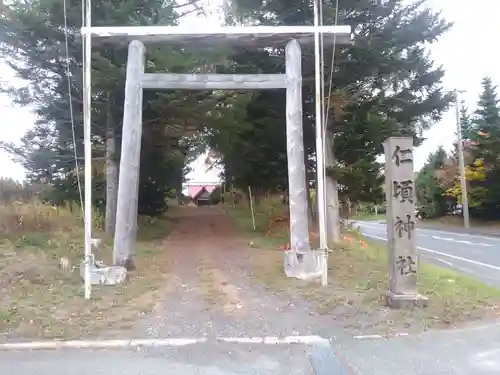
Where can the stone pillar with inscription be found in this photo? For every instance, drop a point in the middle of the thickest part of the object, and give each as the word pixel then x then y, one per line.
pixel 400 197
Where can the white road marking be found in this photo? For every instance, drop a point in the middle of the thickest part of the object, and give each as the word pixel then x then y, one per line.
pixel 388 336
pixel 100 344
pixel 460 241
pixel 486 265
pixel 383 226
pixel 273 340
pixel 496 239
pixel 443 261
pixel 176 342
pixel 172 342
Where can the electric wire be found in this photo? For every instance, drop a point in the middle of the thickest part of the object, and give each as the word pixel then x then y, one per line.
pixel 332 63
pixel 70 97
pixel 325 113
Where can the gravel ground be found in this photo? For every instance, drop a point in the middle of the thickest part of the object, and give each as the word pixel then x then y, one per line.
pixel 215 294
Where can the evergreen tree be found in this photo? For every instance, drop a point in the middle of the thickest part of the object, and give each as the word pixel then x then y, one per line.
pixel 431 185
pixel 465 123
pixel 486 150
pixel 486 124
pixel 33 39
pixel 384 84
pixel 487 114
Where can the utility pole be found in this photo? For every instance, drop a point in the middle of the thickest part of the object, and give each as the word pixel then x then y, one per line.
pixel 463 181
pixel 320 154
pixel 87 140
pixel 320 143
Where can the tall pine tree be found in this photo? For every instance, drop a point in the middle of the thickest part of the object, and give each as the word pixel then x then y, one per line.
pixel 486 149
pixel 465 122
pixel 431 185
pixel 385 84
pixel 33 38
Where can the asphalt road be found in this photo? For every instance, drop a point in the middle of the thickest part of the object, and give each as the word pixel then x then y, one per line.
pixel 198 359
pixel 473 254
pixel 472 351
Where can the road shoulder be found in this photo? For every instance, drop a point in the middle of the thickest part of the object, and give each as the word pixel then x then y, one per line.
pixel 469 351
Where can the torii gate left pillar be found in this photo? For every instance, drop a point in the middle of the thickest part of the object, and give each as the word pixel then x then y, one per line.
pixel 137 80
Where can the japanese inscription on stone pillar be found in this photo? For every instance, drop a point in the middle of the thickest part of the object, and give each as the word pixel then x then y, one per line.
pixel 401 199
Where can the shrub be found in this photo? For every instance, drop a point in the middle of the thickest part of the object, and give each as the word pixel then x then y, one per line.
pixel 11 191
pixel 23 217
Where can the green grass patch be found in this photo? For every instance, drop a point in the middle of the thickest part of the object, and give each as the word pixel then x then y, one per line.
pixel 457 222
pixel 39 299
pixel 358 281
pixel 208 286
pixel 367 217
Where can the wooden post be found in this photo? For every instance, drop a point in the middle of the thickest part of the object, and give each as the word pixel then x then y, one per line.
pixel 297 190
pixel 251 206
pixel 128 187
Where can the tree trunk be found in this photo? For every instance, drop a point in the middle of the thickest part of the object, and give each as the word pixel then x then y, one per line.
pixel 179 192
pixel 111 173
pixel 332 195
pixel 310 208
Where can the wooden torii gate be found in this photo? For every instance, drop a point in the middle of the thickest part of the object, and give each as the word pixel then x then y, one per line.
pixel 137 81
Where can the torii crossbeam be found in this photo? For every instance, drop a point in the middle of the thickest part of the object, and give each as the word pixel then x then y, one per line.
pixel 242 36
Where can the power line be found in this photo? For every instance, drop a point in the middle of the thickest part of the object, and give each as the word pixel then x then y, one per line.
pixel 320 156
pixel 325 113
pixel 71 114
pixel 332 63
pixel 87 203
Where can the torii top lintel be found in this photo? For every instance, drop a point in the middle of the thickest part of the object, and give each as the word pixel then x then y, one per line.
pixel 239 36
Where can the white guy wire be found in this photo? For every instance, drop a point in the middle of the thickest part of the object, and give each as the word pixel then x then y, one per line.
pixel 70 94
pixel 87 112
pixel 320 159
pixel 330 84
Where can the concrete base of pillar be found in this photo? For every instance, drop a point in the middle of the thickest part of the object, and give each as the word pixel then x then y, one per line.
pixel 406 301
pixel 304 266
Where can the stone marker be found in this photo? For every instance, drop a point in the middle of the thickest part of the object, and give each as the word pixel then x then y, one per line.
pixel 401 198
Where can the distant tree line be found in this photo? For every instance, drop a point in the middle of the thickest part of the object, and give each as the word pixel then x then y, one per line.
pixel 438 182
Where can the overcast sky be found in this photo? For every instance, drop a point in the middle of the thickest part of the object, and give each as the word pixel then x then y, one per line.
pixel 467 52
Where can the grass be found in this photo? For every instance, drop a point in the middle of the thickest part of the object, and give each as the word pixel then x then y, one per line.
pixel 444 221
pixel 38 299
pixel 358 282
pixel 209 285
pixel 458 221
pixel 215 288
pixel 367 216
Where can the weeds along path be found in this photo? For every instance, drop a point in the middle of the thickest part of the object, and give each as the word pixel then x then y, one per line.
pixel 214 292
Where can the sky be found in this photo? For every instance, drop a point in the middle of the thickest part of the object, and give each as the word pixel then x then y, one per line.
pixel 467 52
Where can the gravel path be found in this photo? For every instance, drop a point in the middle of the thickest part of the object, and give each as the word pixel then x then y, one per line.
pixel 215 293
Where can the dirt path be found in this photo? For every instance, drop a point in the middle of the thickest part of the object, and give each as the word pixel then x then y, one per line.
pixel 214 293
